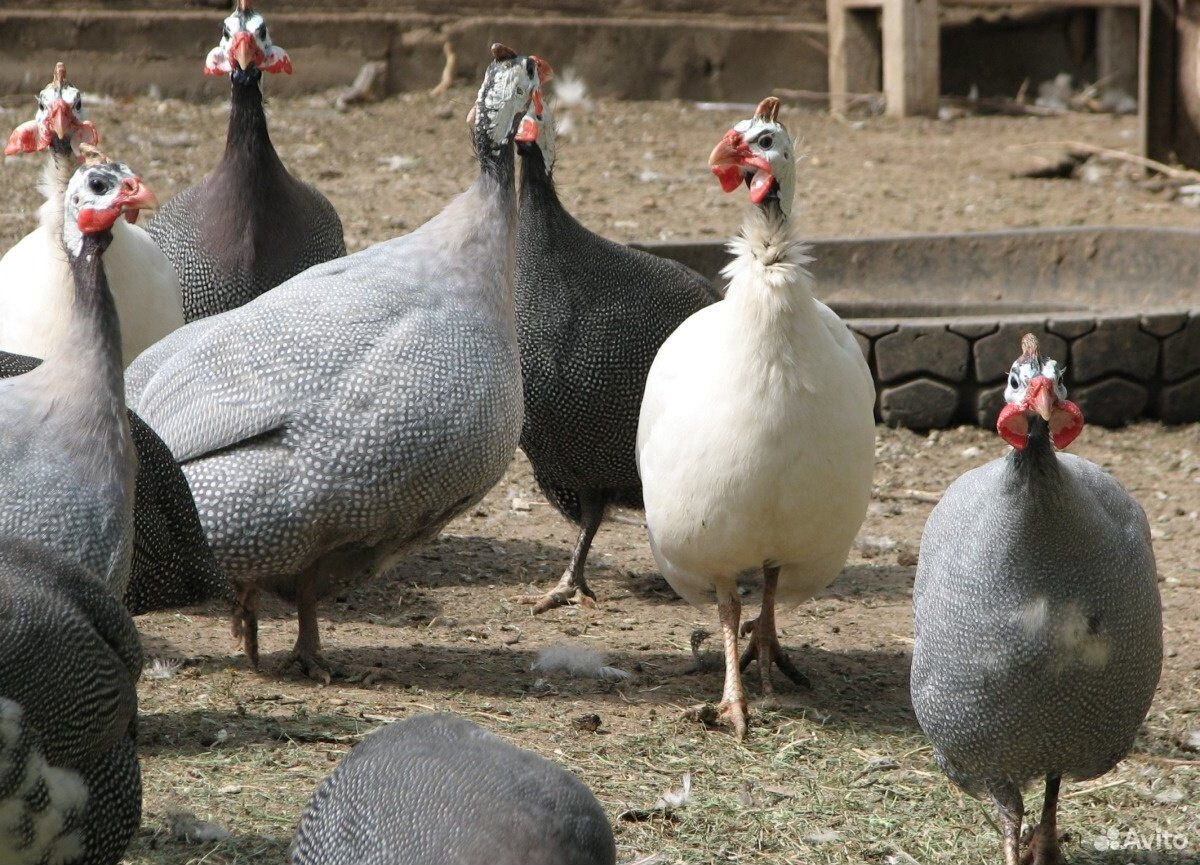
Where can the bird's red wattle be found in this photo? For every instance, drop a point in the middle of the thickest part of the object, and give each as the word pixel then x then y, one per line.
pixel 24 139
pixel 1013 426
pixel 94 220
pixel 730 176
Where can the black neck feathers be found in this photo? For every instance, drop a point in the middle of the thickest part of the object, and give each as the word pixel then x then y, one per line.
pixel 498 161
pixel 1039 457
pixel 248 138
pixel 537 183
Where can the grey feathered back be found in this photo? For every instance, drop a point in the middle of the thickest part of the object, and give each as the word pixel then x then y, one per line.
pixel 353 410
pixel 172 565
pixel 70 783
pixel 438 790
pixel 591 316
pixel 1038 623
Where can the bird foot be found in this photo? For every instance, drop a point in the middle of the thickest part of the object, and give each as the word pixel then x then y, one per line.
pixel 244 625
pixel 567 592
pixel 311 664
pixel 765 648
pixel 1042 849
pixel 735 712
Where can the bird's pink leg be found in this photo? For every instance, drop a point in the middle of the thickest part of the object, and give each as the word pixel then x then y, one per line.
pixel 307 652
pixel 764 639
pixel 733 702
pixel 245 622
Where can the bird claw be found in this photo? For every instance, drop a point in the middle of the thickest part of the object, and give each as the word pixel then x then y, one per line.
pixel 777 656
pixel 735 712
pixel 311 664
pixel 563 595
pixel 1042 850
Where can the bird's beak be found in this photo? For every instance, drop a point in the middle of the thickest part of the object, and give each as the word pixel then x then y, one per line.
pixel 527 132
pixel 243 50
pixel 60 118
pixel 135 196
pixel 1042 399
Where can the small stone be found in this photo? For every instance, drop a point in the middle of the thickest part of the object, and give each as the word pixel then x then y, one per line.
pixel 587 723
pixel 521 506
pixel 906 558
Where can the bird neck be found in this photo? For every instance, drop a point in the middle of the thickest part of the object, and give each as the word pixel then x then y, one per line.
pixel 57 175
pixel 85 356
pixel 1038 459
pixel 537 183
pixel 497 161
pixel 248 141
pixel 769 280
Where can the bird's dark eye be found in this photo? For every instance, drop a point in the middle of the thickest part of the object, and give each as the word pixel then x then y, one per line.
pixel 1013 381
pixel 225 31
pixel 262 32
pixel 97 186
pixel 78 102
pixel 765 142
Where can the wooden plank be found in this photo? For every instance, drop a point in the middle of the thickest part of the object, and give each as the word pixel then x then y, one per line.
pixel 855 53
pixel 911 57
pixel 1185 127
pixel 1156 79
pixel 1117 47
pixel 1048 4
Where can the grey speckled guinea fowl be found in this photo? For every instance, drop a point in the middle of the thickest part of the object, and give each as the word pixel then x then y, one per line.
pixel 438 790
pixel 350 413
pixel 67 465
pixel 173 565
pixel 1038 621
pixel 249 225
pixel 70 783
pixel 591 316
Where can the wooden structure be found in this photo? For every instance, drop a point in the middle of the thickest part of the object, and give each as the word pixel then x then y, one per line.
pixel 1169 94
pixel 897 42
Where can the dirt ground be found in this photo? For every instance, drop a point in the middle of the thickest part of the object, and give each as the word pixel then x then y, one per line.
pixel 836 774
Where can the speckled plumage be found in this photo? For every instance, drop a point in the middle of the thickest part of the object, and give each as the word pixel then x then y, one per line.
pixel 70 783
pixel 1038 623
pixel 249 225
pixel 173 565
pixel 591 315
pixel 438 790
pixel 353 411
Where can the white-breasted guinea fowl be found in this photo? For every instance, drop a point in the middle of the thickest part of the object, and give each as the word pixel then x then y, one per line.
pixel 173 565
pixel 591 315
pixel 36 287
pixel 756 441
pixel 439 790
pixel 1037 615
pixel 70 783
pixel 350 413
pixel 249 225
pixel 67 465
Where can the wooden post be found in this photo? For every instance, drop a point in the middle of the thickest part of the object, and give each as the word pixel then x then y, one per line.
pixel 1117 47
pixel 1156 79
pixel 911 57
pixel 855 53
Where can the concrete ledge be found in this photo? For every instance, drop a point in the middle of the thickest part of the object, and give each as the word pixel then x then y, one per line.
pixel 123 53
pixel 939 317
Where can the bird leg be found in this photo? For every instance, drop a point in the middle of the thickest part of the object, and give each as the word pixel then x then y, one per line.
pixel 1043 844
pixel 306 654
pixel 764 642
pixel 573 587
pixel 1007 800
pixel 733 706
pixel 245 621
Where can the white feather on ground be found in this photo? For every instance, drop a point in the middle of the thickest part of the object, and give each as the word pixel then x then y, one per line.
pixel 190 829
pixel 161 668
pixel 579 662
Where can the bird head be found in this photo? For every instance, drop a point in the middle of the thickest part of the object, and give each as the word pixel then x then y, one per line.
pixel 507 92
pixel 537 126
pixel 1035 390
pixel 758 152
pixel 245 50
pixel 59 121
pixel 100 192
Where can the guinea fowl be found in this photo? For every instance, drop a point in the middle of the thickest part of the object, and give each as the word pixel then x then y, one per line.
pixel 249 225
pixel 1039 631
pixel 67 465
pixel 70 784
pixel 36 287
pixel 438 790
pixel 173 565
pixel 757 432
pixel 591 314
pixel 350 413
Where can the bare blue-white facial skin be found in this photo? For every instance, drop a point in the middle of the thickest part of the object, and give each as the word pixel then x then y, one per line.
pixel 1025 370
pixel 505 96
